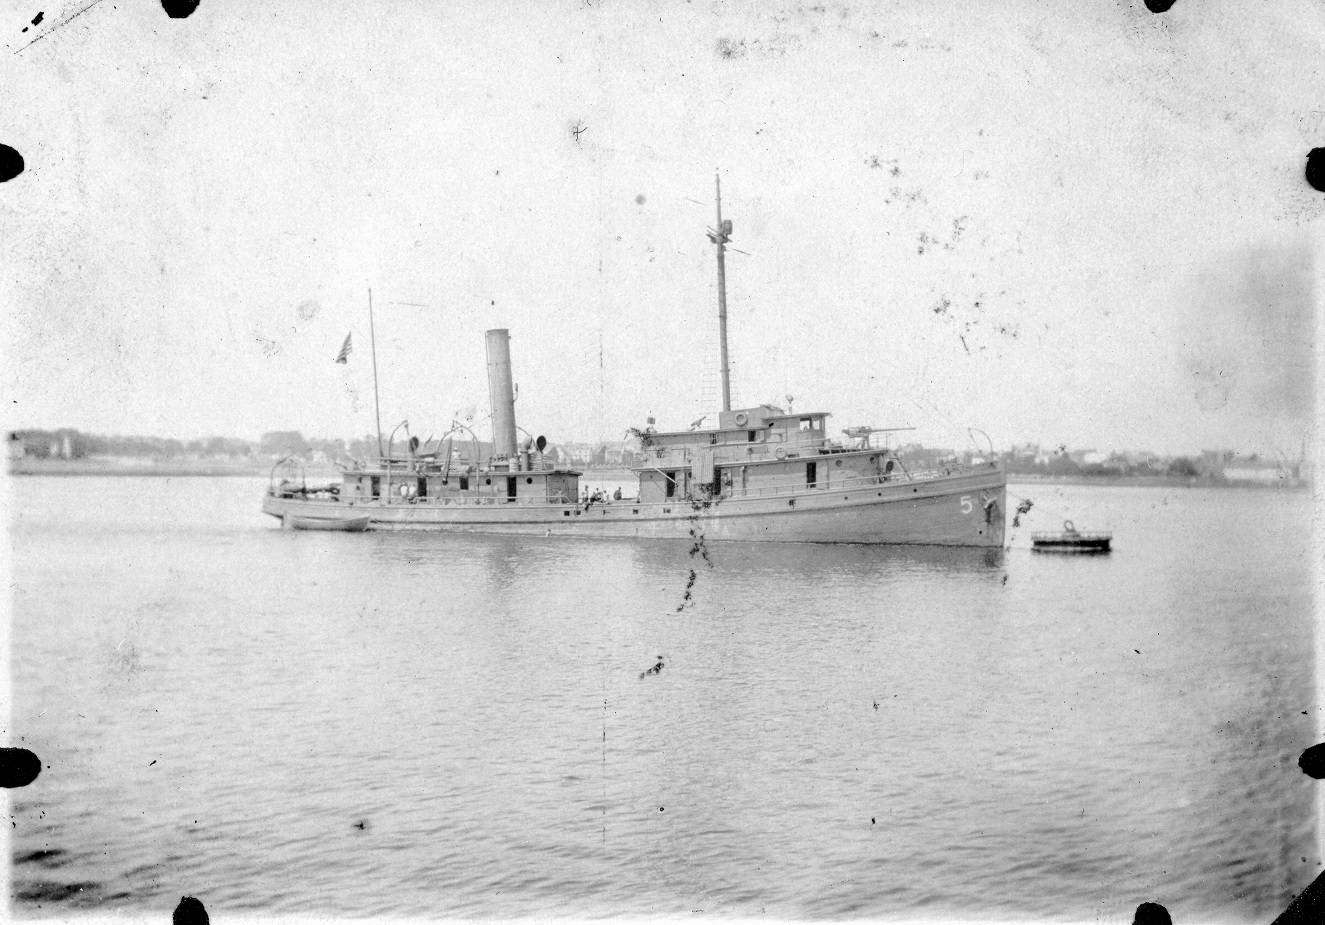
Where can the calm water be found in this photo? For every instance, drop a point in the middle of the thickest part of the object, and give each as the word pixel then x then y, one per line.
pixel 324 724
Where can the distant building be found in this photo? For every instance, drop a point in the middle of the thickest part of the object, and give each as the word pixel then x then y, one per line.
pixel 1088 457
pixel 1259 475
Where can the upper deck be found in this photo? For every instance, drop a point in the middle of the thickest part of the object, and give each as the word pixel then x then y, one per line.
pixel 743 436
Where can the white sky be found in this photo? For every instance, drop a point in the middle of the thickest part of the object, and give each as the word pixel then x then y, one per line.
pixel 1111 203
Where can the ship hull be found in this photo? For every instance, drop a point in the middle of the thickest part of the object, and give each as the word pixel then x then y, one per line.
pixel 963 509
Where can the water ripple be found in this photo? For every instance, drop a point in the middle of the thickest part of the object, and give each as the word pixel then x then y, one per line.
pixel 424 726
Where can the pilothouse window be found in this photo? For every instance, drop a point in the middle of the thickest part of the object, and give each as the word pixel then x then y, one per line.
pixel 671 484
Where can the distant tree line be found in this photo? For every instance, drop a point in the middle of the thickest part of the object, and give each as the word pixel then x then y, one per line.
pixel 68 443
pixel 1117 465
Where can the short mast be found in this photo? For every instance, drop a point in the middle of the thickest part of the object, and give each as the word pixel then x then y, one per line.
pixel 377 404
pixel 720 238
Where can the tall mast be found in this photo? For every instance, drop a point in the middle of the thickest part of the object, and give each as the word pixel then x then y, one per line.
pixel 372 340
pixel 720 238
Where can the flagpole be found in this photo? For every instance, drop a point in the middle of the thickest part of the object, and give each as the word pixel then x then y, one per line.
pixel 372 339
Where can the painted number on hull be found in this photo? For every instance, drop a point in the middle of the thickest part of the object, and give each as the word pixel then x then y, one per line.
pixel 966 504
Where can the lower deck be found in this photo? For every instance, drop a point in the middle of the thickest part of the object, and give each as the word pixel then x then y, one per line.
pixel 960 507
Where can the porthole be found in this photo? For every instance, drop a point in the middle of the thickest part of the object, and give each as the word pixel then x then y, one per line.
pixel 529 481
pixel 487 481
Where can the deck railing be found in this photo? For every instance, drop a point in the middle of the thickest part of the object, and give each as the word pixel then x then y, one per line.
pixel 798 489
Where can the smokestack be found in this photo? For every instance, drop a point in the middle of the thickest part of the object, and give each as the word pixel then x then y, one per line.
pixel 501 393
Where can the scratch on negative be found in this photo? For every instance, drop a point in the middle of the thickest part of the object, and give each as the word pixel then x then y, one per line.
pixel 58 25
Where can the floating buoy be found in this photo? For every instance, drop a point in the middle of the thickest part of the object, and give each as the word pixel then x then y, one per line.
pixel 1071 540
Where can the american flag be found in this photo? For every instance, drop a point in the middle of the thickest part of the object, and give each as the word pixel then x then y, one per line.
pixel 344 354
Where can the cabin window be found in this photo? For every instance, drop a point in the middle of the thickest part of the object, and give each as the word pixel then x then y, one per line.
pixel 671 484
pixel 713 439
pixel 807 424
pixel 750 436
pixel 423 487
pixel 464 483
pixel 811 474
pixel 376 483
pixel 510 487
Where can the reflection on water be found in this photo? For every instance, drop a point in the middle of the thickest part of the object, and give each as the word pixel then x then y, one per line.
pixel 321 723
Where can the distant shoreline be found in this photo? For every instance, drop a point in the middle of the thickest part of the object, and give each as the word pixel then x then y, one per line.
pixel 176 468
pixel 212 469
pixel 168 469
pixel 1150 481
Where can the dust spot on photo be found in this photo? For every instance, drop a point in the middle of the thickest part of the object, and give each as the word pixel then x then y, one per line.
pixel 1249 338
pixel 729 50
pixel 1212 383
pixel 1312 762
pixel 1151 913
pixel 179 9
pixel 1316 169
pixel 11 163
pixel 18 767
pixel 190 911
pixel 308 310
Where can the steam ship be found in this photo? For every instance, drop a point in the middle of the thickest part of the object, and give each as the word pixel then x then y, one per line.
pixel 763 474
